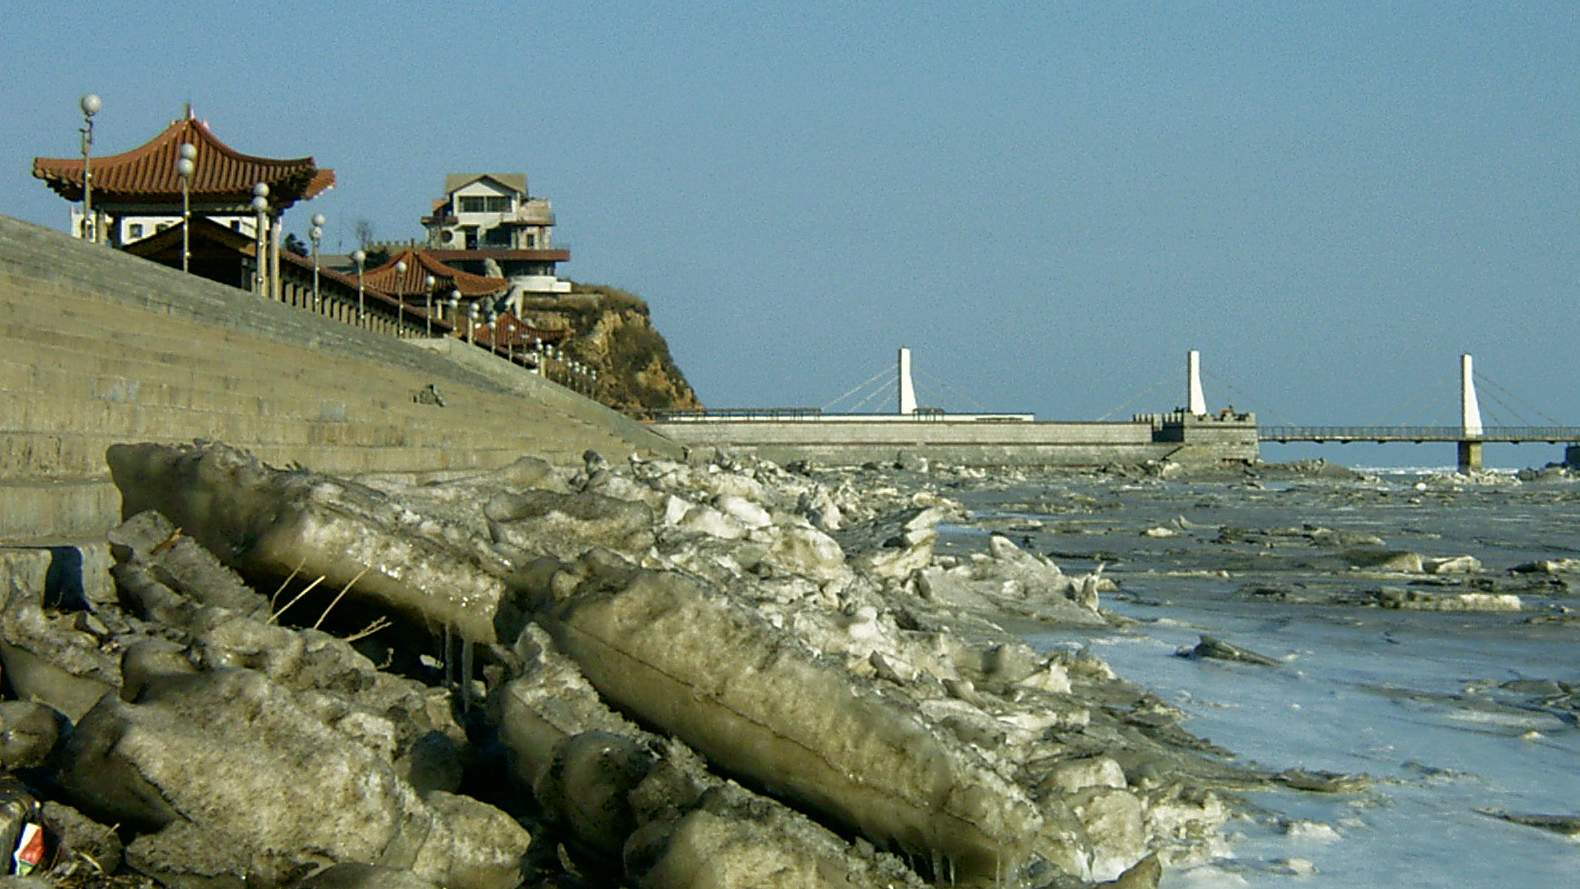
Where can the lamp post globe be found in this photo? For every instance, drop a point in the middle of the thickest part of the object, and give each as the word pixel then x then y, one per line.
pixel 187 151
pixel 90 104
pixel 185 167
pixel 319 220
pixel 261 190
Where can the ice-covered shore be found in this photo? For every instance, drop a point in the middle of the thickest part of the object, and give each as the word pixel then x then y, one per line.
pixel 657 674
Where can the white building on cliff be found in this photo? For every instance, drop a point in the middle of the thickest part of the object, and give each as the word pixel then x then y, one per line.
pixel 488 224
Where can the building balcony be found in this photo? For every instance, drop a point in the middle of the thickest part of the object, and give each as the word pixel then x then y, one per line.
pixel 559 253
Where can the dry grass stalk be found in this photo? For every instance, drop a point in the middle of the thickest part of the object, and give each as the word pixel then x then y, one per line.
pixel 342 595
pixel 275 617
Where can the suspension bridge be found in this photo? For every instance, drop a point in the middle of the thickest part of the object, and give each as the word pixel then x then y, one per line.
pixel 1189 433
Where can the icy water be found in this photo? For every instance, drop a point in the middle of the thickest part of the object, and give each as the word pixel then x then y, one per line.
pixel 1429 705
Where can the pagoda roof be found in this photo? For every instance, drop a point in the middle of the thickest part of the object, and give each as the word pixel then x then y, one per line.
pixel 147 174
pixel 419 265
pixel 514 331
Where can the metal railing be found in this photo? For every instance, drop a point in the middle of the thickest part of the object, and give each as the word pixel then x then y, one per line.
pixel 1552 434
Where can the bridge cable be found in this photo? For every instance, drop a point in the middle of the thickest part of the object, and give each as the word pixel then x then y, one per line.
pixel 1268 417
pixel 1145 393
pixel 887 368
pixel 1404 412
pixel 878 388
pixel 956 391
pixel 1483 378
pixel 881 390
pixel 1519 419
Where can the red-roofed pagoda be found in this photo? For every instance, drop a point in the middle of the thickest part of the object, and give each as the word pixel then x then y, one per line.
pixel 138 192
pixel 407 272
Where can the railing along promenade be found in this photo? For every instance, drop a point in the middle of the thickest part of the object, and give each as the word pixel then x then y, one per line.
pixel 338 299
pixel 1418 434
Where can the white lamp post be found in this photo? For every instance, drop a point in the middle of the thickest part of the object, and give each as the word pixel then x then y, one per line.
pixel 90 105
pixel 316 235
pixel 260 206
pixel 359 257
pixel 454 303
pixel 186 165
pixel 471 327
pixel 400 297
pixel 427 304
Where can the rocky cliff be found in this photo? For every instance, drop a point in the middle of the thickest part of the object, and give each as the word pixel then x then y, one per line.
pixel 614 334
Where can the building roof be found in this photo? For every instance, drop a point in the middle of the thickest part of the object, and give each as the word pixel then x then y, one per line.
pixel 419 265
pixel 455 181
pixel 515 332
pixel 148 173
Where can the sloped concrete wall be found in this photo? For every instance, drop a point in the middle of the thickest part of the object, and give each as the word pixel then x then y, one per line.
pixel 98 347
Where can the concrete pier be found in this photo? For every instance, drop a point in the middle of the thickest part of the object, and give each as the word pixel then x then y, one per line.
pixel 981 441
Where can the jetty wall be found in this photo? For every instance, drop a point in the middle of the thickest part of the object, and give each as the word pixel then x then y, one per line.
pixel 974 443
pixel 99 347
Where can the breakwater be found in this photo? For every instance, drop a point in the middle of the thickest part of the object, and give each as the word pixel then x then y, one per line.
pixel 1177 437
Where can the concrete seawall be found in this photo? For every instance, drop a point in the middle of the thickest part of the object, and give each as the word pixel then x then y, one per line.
pixel 849 442
pixel 98 347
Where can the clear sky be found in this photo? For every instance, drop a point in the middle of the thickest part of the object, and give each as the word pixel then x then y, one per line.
pixel 1050 203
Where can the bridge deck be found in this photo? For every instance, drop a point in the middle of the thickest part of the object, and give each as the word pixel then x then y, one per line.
pixel 1417 434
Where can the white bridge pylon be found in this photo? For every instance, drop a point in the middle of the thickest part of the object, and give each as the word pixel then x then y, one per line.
pixel 1195 400
pixel 907 390
pixel 1469 408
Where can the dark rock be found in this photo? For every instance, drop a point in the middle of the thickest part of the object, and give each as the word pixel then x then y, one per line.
pixel 28 733
pixel 77 835
pixel 1144 874
pixel 1217 649
pixel 1568 825
pixel 1321 782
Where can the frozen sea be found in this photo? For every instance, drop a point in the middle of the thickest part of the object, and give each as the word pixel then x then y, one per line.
pixel 1447 713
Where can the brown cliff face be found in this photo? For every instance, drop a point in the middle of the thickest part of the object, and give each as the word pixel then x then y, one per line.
pixel 613 333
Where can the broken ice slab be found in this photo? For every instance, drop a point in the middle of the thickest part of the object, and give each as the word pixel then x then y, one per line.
pixel 755 701
pixel 277 523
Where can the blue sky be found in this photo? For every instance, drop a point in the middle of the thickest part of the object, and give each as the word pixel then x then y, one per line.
pixel 1050 203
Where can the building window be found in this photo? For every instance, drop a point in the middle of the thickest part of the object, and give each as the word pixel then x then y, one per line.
pixel 135 230
pixel 473 203
pixel 532 240
pixel 497 203
pixel 162 226
pixel 235 225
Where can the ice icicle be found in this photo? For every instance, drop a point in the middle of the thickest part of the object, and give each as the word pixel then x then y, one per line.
pixel 466 675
